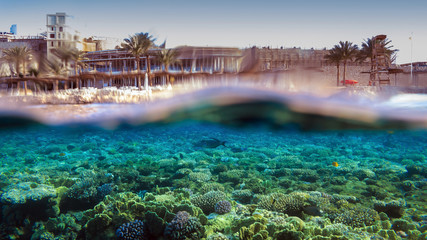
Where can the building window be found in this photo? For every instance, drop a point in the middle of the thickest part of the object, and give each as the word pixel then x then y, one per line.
pixel 59 44
pixel 52 35
pixel 51 44
pixel 61 19
pixel 60 29
pixel 51 20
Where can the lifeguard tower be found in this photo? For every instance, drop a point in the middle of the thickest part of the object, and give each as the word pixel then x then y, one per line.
pixel 380 62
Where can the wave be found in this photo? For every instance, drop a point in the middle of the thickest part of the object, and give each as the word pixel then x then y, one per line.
pixel 363 108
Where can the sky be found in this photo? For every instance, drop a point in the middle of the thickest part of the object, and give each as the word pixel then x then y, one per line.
pixel 307 24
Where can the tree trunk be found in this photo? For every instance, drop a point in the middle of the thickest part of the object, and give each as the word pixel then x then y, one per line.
pixel 343 77
pixel 66 75
pixel 149 70
pixel 167 75
pixel 138 60
pixel 372 75
pixel 76 75
pixel 338 74
pixel 25 82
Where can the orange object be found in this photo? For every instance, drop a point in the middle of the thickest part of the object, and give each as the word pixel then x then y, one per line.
pixel 335 164
pixel 351 82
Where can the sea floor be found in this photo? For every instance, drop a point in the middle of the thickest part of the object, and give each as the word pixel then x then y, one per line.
pixel 181 181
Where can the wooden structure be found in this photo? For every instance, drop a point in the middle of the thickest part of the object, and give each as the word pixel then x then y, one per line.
pixel 380 62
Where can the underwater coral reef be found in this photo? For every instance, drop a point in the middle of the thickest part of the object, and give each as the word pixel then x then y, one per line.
pixel 181 181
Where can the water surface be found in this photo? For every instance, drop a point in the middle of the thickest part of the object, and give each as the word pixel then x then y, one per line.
pixel 292 167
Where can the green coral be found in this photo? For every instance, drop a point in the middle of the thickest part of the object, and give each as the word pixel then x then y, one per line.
pixel 255 231
pixel 24 192
pixel 212 186
pixel 63 226
pixel 199 176
pixel 234 176
pixel 208 200
pixel 155 225
pixel 113 211
pixel 357 217
pixel 291 204
pixel 243 196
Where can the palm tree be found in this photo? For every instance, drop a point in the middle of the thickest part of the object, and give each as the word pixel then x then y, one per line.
pixel 17 56
pixel 167 57
pixel 39 68
pixel 366 49
pixel 367 46
pixel 138 45
pixel 77 58
pixel 348 52
pixel 56 69
pixel 334 57
pixel 65 54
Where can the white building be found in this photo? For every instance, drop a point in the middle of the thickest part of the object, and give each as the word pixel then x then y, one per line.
pixel 58 33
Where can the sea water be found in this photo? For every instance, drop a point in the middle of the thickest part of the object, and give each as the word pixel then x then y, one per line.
pixel 218 164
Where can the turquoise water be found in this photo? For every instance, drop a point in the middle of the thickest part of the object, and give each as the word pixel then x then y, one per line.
pixel 284 172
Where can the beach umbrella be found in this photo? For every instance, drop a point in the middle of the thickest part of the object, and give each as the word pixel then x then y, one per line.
pixel 351 82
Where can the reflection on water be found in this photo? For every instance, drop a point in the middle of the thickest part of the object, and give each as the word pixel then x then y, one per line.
pixel 361 107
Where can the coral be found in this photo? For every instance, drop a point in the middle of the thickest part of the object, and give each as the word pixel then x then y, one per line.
pixel 182 172
pixel 257 185
pixel 243 196
pixel 217 236
pixel 64 226
pixel 28 199
pixel 388 234
pixel 393 209
pixel 200 176
pixel 318 200
pixel 192 210
pixel 336 229
pixel 211 186
pixel 102 220
pixel 104 190
pixel 219 168
pixel 219 223
pixel 222 207
pixel 23 192
pixel 155 224
pixel 183 226
pixel 255 231
pixel 46 236
pixel 296 222
pixel 357 217
pixel 99 227
pixel 306 175
pixel 208 200
pixel 403 225
pixel 364 173
pixel 413 169
pixel 86 192
pixel 131 231
pixel 234 176
pixel 292 204
pixel 350 199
